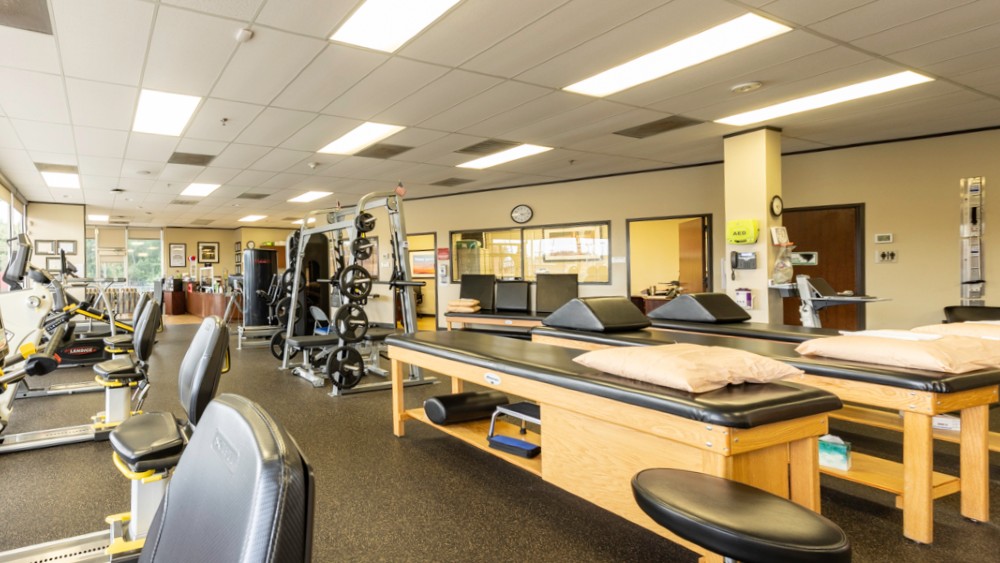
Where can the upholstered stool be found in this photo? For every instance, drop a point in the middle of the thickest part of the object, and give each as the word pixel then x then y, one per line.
pixel 737 521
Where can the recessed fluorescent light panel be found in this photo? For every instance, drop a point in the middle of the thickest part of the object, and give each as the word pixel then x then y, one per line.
pixel 97 218
pixel 709 44
pixel 385 25
pixel 823 99
pixel 360 137
pixel 59 175
pixel 310 221
pixel 309 196
pixel 163 113
pixel 504 156
pixel 252 218
pixel 199 190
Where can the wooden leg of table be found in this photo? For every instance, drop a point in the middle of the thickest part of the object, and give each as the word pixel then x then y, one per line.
pixel 398 420
pixel 457 385
pixel 975 460
pixel 803 472
pixel 918 466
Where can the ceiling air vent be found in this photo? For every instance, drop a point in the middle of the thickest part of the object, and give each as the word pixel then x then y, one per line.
pixel 489 146
pixel 658 126
pixel 191 159
pixel 452 182
pixel 117 222
pixel 202 222
pixel 30 15
pixel 252 196
pixel 382 150
pixel 183 202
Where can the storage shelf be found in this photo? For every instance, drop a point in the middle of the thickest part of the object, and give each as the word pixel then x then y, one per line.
pixel 475 433
pixel 887 420
pixel 887 475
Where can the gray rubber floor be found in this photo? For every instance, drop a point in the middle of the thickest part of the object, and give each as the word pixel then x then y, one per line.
pixel 426 497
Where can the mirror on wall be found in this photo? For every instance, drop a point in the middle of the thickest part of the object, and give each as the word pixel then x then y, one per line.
pixel 667 255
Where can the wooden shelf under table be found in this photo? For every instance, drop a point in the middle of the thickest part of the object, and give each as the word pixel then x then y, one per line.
pixel 887 420
pixel 475 433
pixel 887 475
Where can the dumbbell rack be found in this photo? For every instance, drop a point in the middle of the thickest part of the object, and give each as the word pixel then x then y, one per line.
pixel 355 282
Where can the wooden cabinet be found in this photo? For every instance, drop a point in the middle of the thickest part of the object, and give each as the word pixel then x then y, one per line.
pixel 205 304
pixel 174 303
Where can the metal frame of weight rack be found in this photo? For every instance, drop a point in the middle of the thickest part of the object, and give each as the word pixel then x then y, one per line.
pixel 338 221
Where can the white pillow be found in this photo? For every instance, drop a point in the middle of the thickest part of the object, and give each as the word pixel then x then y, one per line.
pixel 950 354
pixel 688 367
pixel 973 329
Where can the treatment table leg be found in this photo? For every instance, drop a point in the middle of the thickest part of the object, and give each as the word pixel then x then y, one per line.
pixel 975 463
pixel 398 416
pixel 918 466
pixel 803 461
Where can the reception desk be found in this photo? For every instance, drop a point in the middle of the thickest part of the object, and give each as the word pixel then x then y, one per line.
pixel 204 304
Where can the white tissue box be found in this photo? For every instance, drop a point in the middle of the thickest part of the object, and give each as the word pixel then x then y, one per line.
pixel 834 453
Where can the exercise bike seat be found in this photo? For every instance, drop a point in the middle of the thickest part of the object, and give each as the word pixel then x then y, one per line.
pixel 123 368
pixel 148 441
pixel 121 341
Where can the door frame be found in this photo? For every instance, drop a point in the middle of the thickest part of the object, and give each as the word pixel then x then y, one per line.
pixel 859 249
pixel 433 280
pixel 706 248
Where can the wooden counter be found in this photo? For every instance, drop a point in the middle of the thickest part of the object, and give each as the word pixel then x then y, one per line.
pixel 204 304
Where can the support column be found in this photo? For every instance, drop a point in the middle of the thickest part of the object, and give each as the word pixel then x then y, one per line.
pixel 753 177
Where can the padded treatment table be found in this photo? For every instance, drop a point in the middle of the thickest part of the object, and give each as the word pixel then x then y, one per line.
pixel 600 429
pixel 918 394
pixel 779 332
pixel 508 319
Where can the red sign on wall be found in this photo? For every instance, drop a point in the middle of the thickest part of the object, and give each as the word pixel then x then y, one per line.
pixel 443 254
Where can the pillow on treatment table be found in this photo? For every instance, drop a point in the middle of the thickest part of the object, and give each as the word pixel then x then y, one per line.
pixel 688 367
pixel 463 309
pixel 973 329
pixel 950 354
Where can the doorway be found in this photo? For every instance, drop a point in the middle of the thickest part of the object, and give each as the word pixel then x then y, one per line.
pixel 663 250
pixel 835 236
pixel 422 257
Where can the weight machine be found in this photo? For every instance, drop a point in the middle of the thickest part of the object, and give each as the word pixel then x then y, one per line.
pixel 353 284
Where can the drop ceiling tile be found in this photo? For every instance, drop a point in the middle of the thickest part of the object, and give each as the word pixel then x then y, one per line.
pixel 263 67
pixel 143 185
pixel 97 183
pixel 386 85
pixel 278 159
pixel 100 142
pixel 494 102
pixel 578 117
pixel 240 156
pixel 415 137
pixel 188 51
pixel 319 133
pixel 449 41
pixel 874 17
pixel 944 24
pixel 33 95
pixel 805 13
pixel 436 148
pixel 98 104
pixel 282 181
pixel 8 137
pixel 313 89
pixel 180 173
pixel 239 9
pixel 50 137
pixel 556 32
pixel 273 126
pixel 436 97
pixel 970 42
pixel 28 50
pixel 100 166
pixel 67 159
pixel 216 175
pixel 103 39
pixel 309 17
pixel 14 160
pixel 966 63
pixel 221 120
pixel 251 178
pixel 146 146
pixel 198 146
pixel 142 169
pixel 527 113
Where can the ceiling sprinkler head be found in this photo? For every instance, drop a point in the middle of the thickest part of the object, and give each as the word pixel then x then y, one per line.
pixel 745 87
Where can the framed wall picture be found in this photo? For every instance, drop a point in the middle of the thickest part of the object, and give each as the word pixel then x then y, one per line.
pixel 67 246
pixel 237 246
pixel 45 247
pixel 53 264
pixel 208 252
pixel 422 263
pixel 178 255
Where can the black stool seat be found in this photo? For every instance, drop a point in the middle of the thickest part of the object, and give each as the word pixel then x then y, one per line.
pixel 148 441
pixel 378 334
pixel 737 520
pixel 118 369
pixel 314 341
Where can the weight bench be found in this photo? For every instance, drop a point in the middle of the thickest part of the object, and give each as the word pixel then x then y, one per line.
pixel 764 435
pixel 309 344
pixel 374 340
pixel 878 395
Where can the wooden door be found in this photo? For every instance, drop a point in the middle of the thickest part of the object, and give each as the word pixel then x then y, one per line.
pixel 691 248
pixel 836 234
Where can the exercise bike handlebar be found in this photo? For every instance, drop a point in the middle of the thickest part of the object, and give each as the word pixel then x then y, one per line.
pixel 39 363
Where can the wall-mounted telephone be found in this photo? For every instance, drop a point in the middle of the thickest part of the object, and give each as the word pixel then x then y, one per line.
pixel 742 261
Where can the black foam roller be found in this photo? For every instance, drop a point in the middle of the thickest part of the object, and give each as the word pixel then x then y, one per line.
pixel 463 407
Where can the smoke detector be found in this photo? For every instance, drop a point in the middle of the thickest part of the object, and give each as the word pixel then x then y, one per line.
pixel 745 87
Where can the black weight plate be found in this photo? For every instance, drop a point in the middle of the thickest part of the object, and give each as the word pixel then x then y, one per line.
pixel 355 282
pixel 350 322
pixel 361 248
pixel 282 308
pixel 288 278
pixel 365 222
pixel 278 346
pixel 345 367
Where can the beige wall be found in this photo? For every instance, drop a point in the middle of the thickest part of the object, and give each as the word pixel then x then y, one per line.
pixel 191 237
pixel 653 253
pixel 909 189
pixel 53 221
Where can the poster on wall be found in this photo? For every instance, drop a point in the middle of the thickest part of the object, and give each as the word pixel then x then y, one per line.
pixel 422 263
pixel 178 255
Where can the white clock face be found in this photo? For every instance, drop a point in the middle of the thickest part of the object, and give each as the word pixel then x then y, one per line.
pixel 521 214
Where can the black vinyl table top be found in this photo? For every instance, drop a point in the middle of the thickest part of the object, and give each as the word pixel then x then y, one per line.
pixel 766 331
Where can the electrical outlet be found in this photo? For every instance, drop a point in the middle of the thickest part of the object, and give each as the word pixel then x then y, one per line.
pixel 886 256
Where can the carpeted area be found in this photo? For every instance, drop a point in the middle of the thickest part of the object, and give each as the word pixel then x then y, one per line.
pixel 426 497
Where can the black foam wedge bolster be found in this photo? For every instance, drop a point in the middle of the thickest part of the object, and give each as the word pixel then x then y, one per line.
pixel 736 406
pixel 781 333
pixel 600 314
